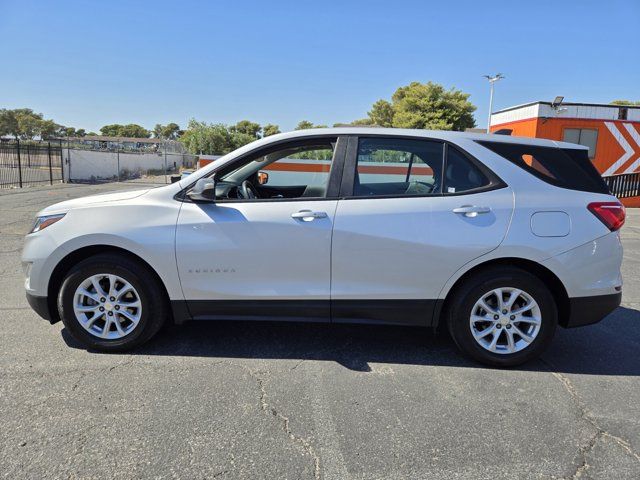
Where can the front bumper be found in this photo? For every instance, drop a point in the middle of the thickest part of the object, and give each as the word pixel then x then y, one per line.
pixel 589 310
pixel 40 305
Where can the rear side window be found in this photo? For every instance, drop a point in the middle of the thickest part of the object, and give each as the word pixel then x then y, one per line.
pixel 460 174
pixel 566 168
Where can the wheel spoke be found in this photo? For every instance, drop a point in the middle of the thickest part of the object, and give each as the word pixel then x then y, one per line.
pixel 526 308
pixel 133 318
pixel 524 336
pixel 485 332
pixel 87 293
pixel 107 326
pixel 116 322
pixel 486 307
pixel 482 318
pixel 96 285
pixel 112 285
pixel 510 343
pixel 498 294
pixel 87 308
pixel 92 320
pixel 134 304
pixel 532 320
pixel 126 289
pixel 512 298
pixel 494 341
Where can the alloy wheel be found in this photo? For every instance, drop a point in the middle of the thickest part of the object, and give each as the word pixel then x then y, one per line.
pixel 505 320
pixel 107 306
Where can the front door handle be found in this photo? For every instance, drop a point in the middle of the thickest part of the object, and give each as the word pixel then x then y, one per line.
pixel 471 210
pixel 308 215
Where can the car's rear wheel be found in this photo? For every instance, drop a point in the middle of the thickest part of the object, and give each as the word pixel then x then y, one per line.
pixel 109 302
pixel 502 316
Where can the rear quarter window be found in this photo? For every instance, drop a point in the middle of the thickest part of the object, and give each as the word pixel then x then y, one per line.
pixel 565 168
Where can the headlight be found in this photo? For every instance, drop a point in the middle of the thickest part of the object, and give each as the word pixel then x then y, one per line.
pixel 44 222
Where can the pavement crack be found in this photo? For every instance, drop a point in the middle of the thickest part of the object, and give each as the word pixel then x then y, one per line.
pixel 588 416
pixel 270 410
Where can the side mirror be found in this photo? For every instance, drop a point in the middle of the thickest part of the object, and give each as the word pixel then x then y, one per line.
pixel 203 191
pixel 263 177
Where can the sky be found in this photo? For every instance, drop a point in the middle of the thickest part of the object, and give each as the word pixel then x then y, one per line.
pixel 90 63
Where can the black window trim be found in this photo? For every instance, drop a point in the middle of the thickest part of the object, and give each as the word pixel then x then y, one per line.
pixel 335 172
pixel 351 161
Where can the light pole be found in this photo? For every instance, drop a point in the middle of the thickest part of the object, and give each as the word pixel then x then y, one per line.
pixel 492 79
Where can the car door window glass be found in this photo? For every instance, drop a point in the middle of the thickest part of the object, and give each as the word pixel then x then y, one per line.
pixel 461 174
pixel 290 172
pixel 392 167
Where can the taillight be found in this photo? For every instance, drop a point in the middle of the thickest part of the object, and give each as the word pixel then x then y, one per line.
pixel 612 214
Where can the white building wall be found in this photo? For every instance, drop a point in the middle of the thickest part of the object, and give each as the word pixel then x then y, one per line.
pixel 587 112
pixel 93 165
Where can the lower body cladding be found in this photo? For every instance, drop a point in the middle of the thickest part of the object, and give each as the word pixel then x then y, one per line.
pixel 422 313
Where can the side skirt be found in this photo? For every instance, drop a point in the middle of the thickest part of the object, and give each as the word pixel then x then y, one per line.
pixel 382 312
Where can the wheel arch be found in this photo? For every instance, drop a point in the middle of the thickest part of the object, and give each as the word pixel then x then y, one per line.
pixel 67 262
pixel 549 278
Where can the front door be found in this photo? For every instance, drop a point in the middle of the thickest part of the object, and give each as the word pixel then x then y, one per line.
pixel 413 213
pixel 263 249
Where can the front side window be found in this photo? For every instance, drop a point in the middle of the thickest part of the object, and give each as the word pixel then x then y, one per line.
pixel 392 167
pixel 582 136
pixel 293 171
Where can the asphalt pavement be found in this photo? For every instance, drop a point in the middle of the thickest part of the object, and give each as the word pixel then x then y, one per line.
pixel 282 401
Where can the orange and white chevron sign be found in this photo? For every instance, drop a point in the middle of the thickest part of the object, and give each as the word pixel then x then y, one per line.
pixel 629 161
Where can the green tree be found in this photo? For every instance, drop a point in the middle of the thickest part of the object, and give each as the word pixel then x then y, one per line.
pixel 207 139
pixel 29 124
pixel 270 129
pixel 135 131
pixel 246 127
pixel 625 102
pixel 130 130
pixel 170 131
pixel 382 113
pixel 425 106
pixel 81 132
pixel 48 129
pixel 306 124
pixel 112 130
pixel 8 123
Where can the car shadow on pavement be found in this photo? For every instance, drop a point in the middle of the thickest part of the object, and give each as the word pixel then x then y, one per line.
pixel 608 348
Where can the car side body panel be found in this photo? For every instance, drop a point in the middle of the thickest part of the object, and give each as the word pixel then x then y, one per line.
pixel 143 225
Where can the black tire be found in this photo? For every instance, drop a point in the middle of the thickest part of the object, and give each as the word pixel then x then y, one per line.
pixel 463 299
pixel 151 293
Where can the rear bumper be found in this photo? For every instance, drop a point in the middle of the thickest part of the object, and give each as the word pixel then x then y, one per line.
pixel 589 310
pixel 40 305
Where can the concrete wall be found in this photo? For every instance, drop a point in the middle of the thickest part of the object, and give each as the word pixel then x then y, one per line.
pixel 86 165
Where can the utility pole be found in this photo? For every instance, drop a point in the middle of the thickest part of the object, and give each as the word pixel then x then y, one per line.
pixel 492 79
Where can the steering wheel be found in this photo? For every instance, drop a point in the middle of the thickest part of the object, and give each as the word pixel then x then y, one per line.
pixel 248 191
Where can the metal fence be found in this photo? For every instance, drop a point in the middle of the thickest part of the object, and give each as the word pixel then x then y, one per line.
pixel 31 163
pixel 625 185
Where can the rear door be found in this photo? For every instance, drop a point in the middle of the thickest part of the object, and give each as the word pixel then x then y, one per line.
pixel 411 213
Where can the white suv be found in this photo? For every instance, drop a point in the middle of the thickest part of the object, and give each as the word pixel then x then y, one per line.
pixel 498 238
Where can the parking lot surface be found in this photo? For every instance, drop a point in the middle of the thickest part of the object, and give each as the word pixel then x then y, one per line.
pixel 239 400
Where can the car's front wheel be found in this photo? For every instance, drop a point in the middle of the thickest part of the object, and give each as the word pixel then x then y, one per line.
pixel 109 302
pixel 502 316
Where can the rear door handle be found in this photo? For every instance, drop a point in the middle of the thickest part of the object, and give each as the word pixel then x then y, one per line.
pixel 308 215
pixel 471 210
